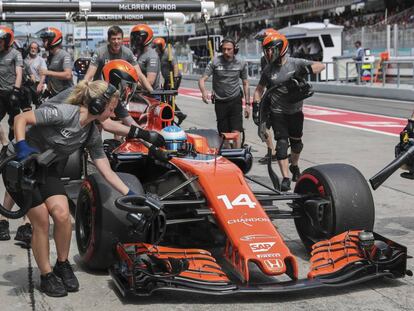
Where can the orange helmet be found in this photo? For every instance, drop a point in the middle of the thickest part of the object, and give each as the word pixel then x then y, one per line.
pixel 264 33
pixel 141 35
pixel 159 44
pixel 7 35
pixel 123 76
pixel 53 35
pixel 278 43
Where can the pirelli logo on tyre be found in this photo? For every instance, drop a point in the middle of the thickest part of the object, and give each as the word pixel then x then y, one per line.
pixel 261 247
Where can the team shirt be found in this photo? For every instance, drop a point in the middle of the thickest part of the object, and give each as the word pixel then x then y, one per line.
pixel 226 75
pixel 274 74
pixel 59 62
pixel 165 64
pixel 149 61
pixel 58 128
pixel 102 56
pixel 9 60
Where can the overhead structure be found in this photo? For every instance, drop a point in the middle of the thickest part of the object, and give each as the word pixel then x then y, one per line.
pixel 96 6
pixel 175 17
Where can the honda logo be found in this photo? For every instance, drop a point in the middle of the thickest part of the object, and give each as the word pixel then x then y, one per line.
pixel 274 264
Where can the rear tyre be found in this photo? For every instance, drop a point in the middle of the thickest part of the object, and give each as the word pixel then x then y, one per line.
pixel 351 204
pixel 99 224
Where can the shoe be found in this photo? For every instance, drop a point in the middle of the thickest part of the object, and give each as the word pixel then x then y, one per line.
pixel 24 233
pixel 264 159
pixel 285 185
pixel 294 169
pixel 65 272
pixel 180 116
pixel 52 285
pixel 4 230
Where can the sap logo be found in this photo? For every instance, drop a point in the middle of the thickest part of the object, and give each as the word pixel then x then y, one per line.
pixel 274 255
pixel 255 237
pixel 261 247
pixel 274 264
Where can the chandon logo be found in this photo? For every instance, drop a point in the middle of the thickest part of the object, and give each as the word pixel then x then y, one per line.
pixel 255 237
pixel 247 221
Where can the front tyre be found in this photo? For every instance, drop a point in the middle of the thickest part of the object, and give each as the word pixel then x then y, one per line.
pixel 99 224
pixel 350 205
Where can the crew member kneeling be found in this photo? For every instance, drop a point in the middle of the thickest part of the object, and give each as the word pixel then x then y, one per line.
pixel 64 128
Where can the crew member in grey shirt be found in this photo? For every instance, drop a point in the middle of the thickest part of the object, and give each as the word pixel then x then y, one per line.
pixel 59 72
pixel 286 114
pixel 227 70
pixel 11 72
pixel 64 128
pixel 114 50
pixel 141 37
pixel 34 62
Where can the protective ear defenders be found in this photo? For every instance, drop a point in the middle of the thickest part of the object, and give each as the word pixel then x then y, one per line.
pixel 228 39
pixel 97 105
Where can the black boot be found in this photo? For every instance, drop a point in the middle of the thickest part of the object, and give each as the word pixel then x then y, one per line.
pixel 4 230
pixel 65 272
pixel 52 285
pixel 294 169
pixel 285 185
pixel 180 116
pixel 24 233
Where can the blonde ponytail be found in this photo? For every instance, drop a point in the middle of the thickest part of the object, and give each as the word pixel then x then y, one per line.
pixel 85 91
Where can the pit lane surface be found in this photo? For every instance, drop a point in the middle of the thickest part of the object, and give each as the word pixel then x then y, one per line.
pixel 324 143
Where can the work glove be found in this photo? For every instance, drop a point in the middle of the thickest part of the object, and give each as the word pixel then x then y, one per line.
pixel 130 192
pixel 256 113
pixel 15 97
pixel 23 150
pixel 150 136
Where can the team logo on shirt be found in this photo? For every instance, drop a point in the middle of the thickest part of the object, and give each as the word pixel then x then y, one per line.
pixel 65 133
pixel 274 76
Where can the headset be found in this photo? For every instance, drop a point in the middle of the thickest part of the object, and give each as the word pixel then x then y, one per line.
pixel 97 105
pixel 231 40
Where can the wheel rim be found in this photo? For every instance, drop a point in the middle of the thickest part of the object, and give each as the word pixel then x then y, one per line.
pixel 319 225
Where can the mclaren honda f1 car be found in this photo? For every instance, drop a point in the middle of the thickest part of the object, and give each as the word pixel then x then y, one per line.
pixel 198 222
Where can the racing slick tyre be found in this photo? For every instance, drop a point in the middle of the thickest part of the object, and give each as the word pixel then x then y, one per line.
pixel 74 166
pixel 99 224
pixel 213 137
pixel 348 202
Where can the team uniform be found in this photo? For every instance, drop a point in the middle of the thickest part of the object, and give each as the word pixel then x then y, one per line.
pixel 102 56
pixel 227 92
pixel 59 62
pixel 149 61
pixel 9 60
pixel 286 117
pixel 58 128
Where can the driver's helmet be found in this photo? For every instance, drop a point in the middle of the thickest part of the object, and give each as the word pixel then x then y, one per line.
pixel 174 137
pixel 123 76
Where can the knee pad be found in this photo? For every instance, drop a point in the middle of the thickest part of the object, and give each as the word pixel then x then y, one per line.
pixel 296 145
pixel 282 146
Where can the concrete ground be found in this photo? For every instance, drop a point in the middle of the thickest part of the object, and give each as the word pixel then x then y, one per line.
pixel 324 143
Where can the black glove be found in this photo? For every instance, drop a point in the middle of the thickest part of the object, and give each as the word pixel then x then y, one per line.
pixel 15 97
pixel 149 136
pixel 255 113
pixel 410 128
